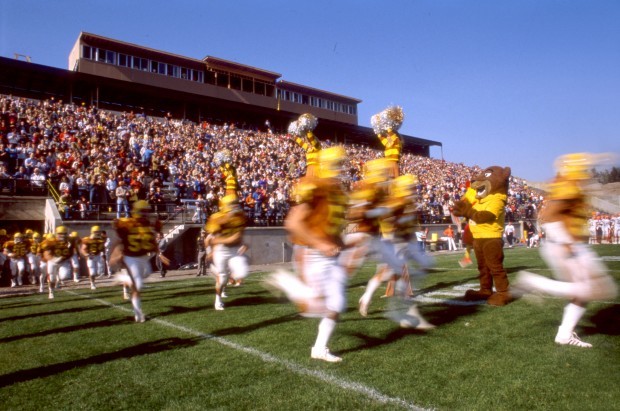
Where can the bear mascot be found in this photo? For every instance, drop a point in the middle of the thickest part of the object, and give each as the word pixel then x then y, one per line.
pixel 484 206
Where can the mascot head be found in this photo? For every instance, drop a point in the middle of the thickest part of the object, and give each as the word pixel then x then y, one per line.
pixel 492 180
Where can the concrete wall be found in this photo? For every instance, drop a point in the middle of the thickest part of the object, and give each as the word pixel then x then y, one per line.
pixel 267 245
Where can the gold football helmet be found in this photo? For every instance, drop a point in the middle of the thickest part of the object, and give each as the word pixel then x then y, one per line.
pixel 331 161
pixel 138 208
pixel 405 185
pixel 574 166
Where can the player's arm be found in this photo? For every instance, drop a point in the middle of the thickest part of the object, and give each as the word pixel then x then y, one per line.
pixel 83 250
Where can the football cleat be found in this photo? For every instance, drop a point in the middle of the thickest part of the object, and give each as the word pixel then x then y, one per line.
pixel 403 320
pixel 219 306
pixel 573 340
pixel 322 353
pixel 363 307
pixel 140 318
pixel 422 323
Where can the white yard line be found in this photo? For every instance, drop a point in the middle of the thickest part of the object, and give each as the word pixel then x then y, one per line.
pixel 369 392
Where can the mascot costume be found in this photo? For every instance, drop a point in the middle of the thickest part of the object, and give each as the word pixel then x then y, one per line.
pixel 484 206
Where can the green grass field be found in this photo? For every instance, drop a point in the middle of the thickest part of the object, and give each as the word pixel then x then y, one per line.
pixel 83 350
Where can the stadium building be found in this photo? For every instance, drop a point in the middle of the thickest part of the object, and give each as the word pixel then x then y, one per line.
pixel 120 76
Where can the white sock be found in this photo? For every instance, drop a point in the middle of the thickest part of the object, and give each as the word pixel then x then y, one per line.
pixel 135 302
pixel 572 315
pixel 372 286
pixel 326 328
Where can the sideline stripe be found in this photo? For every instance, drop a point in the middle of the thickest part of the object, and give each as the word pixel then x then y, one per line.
pixel 369 392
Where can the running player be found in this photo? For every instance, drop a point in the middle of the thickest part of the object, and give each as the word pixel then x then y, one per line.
pixel 93 249
pixel 57 252
pixel 134 251
pixel 16 251
pixel 226 229
pixel 315 225
pixel 581 277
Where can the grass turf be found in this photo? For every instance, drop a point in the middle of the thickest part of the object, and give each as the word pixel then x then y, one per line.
pixel 83 350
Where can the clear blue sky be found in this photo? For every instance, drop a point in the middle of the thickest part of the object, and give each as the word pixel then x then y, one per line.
pixel 511 83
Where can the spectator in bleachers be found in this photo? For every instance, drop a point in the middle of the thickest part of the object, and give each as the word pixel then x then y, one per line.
pixel 37 179
pixel 31 162
pixel 21 174
pixel 122 199
pixel 180 186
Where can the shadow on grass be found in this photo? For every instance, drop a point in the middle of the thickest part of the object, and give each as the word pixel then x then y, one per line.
pixel 368 342
pixel 137 350
pixel 68 329
pixel 253 300
pixel 437 314
pixel 256 326
pixel 55 312
pixel 437 317
pixel 447 314
pixel 605 321
pixel 229 302
pixel 150 296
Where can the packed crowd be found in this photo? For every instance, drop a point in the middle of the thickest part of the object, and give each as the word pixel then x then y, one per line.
pixel 87 153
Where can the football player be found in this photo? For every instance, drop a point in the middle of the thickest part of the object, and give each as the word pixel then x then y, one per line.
pixel 34 257
pixel 368 212
pixel 16 251
pixel 57 252
pixel 93 249
pixel 226 229
pixel 316 225
pixel 581 276
pixel 134 250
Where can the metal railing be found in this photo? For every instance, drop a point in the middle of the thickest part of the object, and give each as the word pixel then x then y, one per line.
pixel 170 213
pixel 23 187
pixel 53 191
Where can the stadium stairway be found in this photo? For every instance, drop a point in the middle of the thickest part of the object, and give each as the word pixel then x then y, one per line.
pixel 176 232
